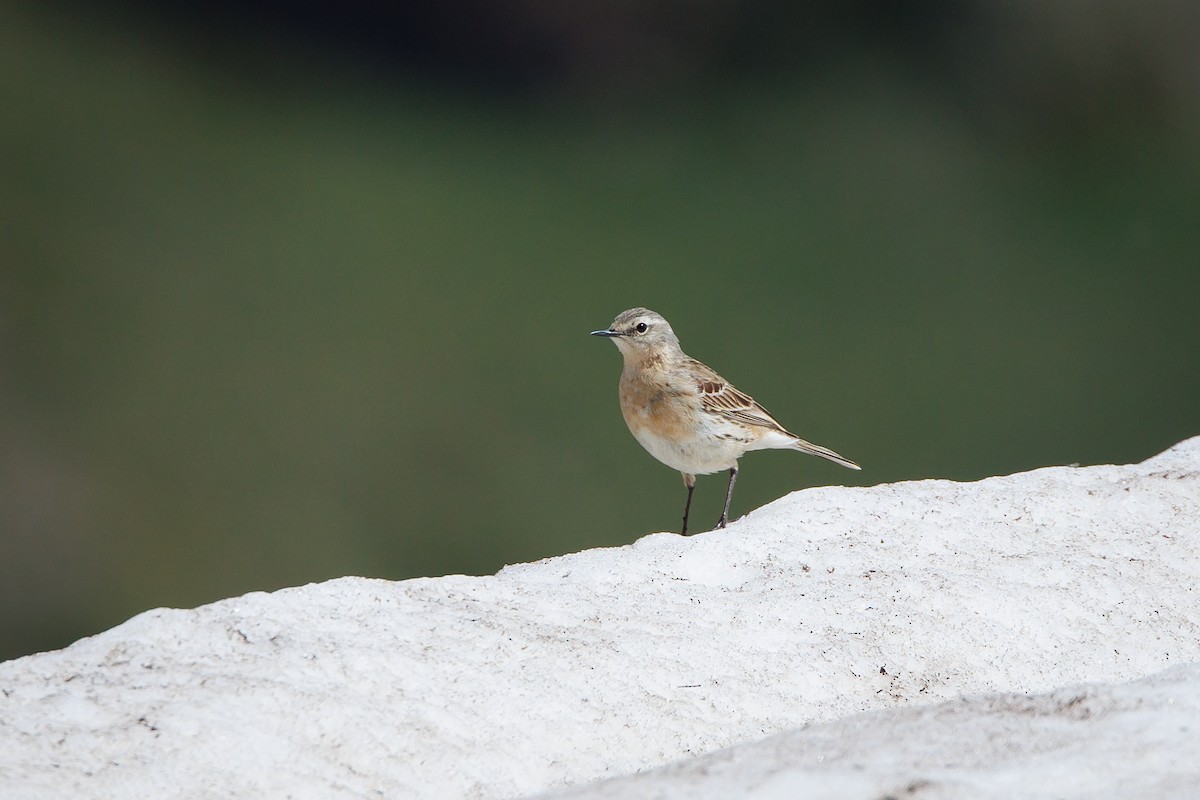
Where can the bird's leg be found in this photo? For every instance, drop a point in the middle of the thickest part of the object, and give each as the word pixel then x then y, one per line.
pixel 728 496
pixel 690 482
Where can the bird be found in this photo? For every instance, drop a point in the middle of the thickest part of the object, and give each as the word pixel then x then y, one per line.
pixel 685 414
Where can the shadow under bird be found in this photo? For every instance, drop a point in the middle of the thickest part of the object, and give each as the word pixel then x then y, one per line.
pixel 685 414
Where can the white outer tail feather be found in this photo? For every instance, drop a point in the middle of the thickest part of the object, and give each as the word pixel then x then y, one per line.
pixel 823 452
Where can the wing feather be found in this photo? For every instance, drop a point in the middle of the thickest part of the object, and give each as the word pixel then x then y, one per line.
pixel 719 396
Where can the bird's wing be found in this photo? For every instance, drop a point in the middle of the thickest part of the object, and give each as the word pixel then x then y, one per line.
pixel 719 396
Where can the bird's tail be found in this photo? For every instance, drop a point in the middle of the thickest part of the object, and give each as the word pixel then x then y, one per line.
pixel 823 452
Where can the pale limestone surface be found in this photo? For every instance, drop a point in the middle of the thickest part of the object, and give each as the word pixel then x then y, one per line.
pixel 894 599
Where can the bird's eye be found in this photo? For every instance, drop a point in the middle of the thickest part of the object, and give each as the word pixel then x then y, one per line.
pixel 641 327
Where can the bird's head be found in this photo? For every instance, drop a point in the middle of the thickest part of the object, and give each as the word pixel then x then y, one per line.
pixel 640 331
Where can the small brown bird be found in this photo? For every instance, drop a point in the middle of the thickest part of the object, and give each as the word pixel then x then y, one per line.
pixel 686 415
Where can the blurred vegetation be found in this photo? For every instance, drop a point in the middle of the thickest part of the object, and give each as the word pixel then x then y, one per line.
pixel 289 296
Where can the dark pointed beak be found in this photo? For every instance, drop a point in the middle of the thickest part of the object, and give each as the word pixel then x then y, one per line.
pixel 605 333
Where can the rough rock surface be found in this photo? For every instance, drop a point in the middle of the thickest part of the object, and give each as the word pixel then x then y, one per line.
pixel 824 604
pixel 1129 741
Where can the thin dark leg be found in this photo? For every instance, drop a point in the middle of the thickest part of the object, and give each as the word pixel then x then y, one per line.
pixel 688 506
pixel 728 497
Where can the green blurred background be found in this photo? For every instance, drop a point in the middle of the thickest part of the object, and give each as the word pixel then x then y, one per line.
pixel 291 291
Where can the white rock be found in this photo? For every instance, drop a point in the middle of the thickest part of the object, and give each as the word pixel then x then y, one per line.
pixel 823 604
pixel 1128 741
